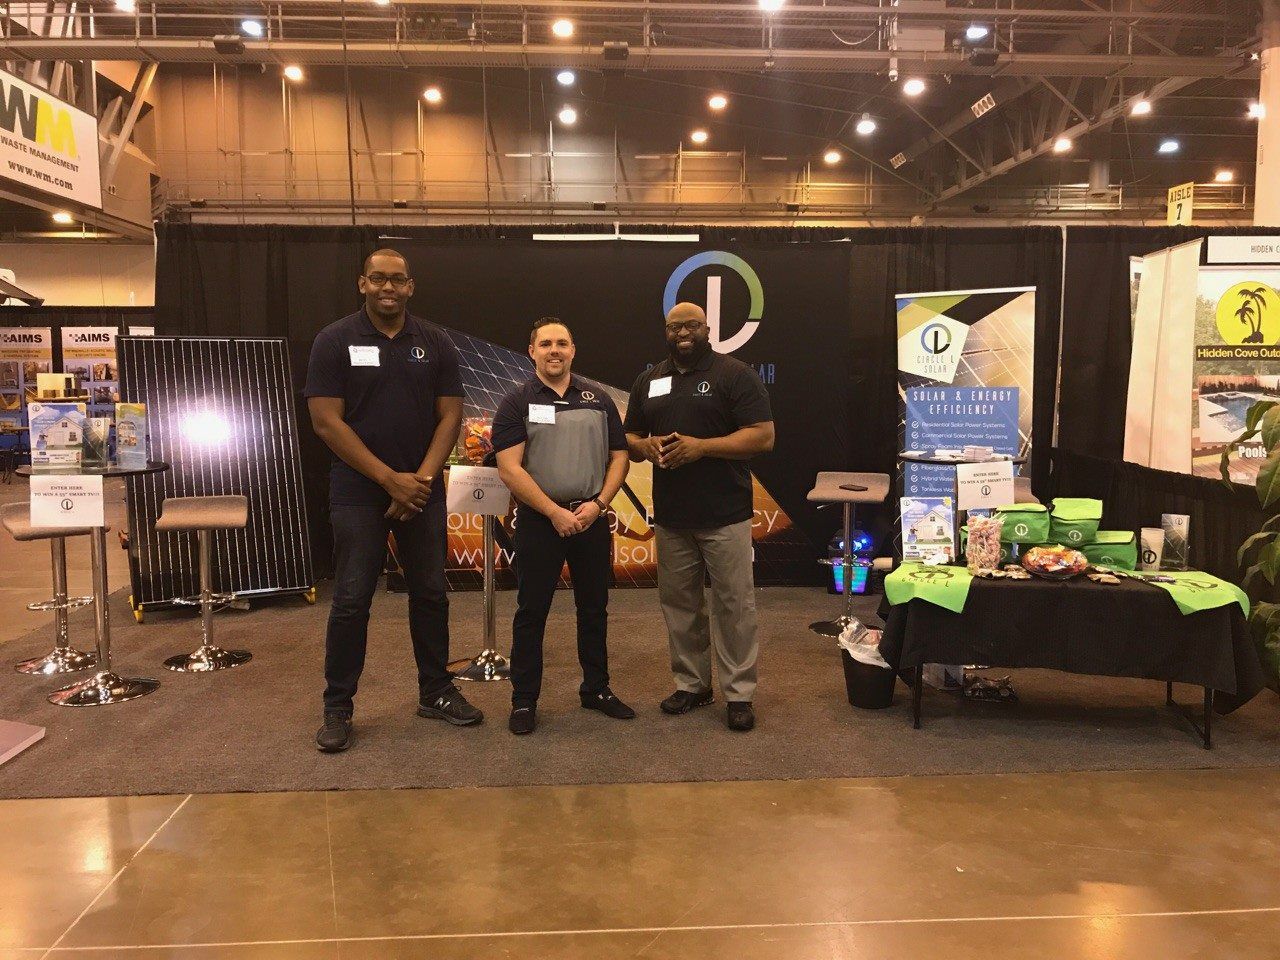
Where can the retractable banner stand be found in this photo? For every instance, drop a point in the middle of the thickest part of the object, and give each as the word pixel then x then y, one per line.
pixel 24 352
pixel 965 368
pixel 90 353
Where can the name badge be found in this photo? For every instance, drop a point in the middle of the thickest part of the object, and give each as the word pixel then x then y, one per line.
pixel 542 413
pixel 660 387
pixel 364 356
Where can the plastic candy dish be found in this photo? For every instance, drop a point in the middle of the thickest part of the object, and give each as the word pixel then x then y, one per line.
pixel 1055 563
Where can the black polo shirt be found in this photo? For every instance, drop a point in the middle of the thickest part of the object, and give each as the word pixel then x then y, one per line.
pixel 389 387
pixel 719 396
pixel 568 458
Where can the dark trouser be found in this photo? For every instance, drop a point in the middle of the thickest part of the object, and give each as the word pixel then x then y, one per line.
pixel 540 555
pixel 360 548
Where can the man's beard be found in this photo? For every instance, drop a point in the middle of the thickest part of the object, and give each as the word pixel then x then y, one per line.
pixel 700 350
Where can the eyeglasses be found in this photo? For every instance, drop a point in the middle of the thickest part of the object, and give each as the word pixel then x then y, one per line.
pixel 380 280
pixel 690 325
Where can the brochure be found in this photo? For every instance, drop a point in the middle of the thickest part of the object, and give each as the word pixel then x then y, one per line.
pixel 57 435
pixel 131 435
pixel 928 528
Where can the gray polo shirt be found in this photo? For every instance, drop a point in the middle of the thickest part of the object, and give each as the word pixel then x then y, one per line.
pixel 567 439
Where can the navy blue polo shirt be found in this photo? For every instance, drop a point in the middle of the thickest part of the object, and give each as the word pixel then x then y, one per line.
pixel 568 457
pixel 389 388
pixel 719 396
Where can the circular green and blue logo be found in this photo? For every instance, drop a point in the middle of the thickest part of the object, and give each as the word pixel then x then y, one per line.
pixel 755 292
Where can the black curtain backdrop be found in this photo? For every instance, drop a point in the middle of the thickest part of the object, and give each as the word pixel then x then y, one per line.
pixel 1097 344
pixel 837 361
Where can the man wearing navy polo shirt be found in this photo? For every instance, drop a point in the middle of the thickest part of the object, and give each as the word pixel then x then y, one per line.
pixel 562 453
pixel 385 394
pixel 698 416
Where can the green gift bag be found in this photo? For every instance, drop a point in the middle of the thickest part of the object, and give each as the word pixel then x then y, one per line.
pixel 1074 521
pixel 1005 555
pixel 1113 548
pixel 1024 523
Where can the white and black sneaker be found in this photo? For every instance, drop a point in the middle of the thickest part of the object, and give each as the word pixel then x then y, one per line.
pixel 452 707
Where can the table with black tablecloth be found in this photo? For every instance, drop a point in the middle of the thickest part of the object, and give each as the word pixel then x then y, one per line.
pixel 1130 629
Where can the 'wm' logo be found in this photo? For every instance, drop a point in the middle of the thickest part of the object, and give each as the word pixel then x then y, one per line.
pixel 37 119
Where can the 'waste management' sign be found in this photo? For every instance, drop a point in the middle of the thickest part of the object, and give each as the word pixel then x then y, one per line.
pixel 47 144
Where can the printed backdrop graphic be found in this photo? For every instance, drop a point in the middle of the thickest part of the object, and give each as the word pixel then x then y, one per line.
pixel 24 352
pixel 90 353
pixel 770 305
pixel 965 363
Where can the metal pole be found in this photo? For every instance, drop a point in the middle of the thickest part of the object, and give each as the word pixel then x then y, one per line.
pixel 490 606
pixel 206 591
pixel 101 617
pixel 58 548
pixel 488 664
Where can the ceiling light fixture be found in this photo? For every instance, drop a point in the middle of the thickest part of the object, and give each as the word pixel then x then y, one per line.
pixel 126 6
pixel 977 31
pixel 832 157
pixel 1062 145
pixel 1256 111
pixel 293 72
pixel 771 6
pixel 866 126
pixel 432 95
pixel 699 136
pixel 913 87
pixel 1224 176
pixel 566 78
pixel 568 116
pixel 251 27
pixel 718 101
pixel 62 217
pixel 1140 108
pixel 562 28
pixel 1169 146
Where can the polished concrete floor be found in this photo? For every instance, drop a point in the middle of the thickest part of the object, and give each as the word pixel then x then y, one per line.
pixel 1108 865
pixel 1111 865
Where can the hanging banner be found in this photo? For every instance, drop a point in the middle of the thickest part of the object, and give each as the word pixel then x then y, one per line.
pixel 1181 205
pixel 24 353
pixel 47 144
pixel 965 362
pixel 1236 364
pixel 90 353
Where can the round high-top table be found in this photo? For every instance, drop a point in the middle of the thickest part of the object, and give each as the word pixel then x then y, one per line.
pixel 105 686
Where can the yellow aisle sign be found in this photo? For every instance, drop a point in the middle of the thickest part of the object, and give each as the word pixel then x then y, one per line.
pixel 1181 201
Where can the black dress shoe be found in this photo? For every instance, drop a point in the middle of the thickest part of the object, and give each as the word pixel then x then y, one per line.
pixel 608 704
pixel 335 735
pixel 523 720
pixel 682 701
pixel 452 707
pixel 740 716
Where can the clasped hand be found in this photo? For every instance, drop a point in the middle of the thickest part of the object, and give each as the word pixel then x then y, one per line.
pixel 569 523
pixel 409 494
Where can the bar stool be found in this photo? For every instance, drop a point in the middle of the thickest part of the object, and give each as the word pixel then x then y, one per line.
pixel 1022 491
pixel 848 490
pixel 203 515
pixel 64 658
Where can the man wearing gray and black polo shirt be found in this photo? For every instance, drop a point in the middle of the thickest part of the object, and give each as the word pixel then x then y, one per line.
pixel 562 453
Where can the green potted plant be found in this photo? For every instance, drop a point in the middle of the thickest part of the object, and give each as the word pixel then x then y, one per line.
pixel 1261 551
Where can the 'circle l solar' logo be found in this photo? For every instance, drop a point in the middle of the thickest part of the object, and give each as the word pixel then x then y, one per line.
pixel 739 266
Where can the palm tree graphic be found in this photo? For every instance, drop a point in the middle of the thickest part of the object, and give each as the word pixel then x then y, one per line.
pixel 1253 305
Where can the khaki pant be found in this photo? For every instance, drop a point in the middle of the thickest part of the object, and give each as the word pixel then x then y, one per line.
pixel 725 554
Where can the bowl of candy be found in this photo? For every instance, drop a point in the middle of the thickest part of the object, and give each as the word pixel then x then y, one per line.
pixel 1054 562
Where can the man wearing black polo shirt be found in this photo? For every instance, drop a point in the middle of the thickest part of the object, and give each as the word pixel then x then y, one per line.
pixel 562 453
pixel 385 393
pixel 698 416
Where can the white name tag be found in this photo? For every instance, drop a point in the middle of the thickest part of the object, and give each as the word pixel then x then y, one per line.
pixel 542 413
pixel 660 387
pixel 364 356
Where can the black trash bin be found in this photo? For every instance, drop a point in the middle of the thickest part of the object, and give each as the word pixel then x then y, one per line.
pixel 870 688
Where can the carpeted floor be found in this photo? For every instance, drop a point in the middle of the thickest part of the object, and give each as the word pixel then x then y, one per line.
pixel 251 729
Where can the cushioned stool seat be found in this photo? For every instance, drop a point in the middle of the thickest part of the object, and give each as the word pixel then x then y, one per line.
pixel 202 515
pixel 829 487
pixel 179 514
pixel 16 518
pixel 1022 491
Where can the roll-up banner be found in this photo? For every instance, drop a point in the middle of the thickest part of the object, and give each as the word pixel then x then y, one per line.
pixel 965 362
pixel 24 352
pixel 90 353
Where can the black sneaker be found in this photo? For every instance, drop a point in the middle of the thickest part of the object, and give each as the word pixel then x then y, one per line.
pixel 335 735
pixel 682 701
pixel 523 720
pixel 452 707
pixel 740 716
pixel 608 704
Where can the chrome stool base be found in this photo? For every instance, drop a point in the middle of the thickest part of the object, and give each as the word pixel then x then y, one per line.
pixel 485 666
pixel 207 659
pixel 832 628
pixel 60 660
pixel 103 688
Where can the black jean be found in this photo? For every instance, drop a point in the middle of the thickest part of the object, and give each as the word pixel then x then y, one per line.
pixel 360 549
pixel 540 554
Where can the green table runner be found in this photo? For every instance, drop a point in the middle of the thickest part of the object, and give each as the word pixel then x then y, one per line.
pixel 946 587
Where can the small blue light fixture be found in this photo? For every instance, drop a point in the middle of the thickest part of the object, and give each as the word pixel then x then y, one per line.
pixel 251 28
pixel 1169 146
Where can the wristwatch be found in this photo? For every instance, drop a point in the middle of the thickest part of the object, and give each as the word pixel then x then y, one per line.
pixel 603 508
